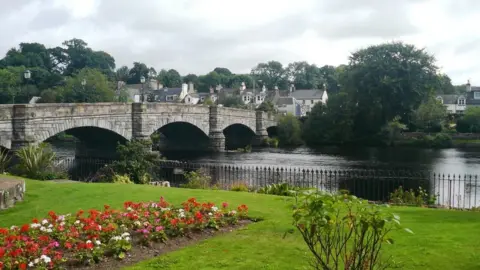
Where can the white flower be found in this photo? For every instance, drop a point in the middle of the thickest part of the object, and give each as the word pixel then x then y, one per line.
pixel 182 215
pixel 77 221
pixel 210 214
pixel 125 234
pixel 60 218
pixel 36 261
pixel 129 209
pixel 233 212
pixel 100 227
pixel 50 226
pixel 181 210
pixel 116 238
pixel 45 258
pixel 88 242
pixel 164 209
pixel 44 221
pixel 13 227
pixel 35 225
pixel 49 230
pixel 214 208
pixel 98 243
pixel 154 205
pixel 127 238
pixel 43 229
pixel 30 264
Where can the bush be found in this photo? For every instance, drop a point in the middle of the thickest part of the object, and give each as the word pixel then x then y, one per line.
pixel 273 142
pixel 410 197
pixel 283 189
pixel 197 180
pixel 343 232
pixel 137 161
pixel 440 140
pixel 240 187
pixel 4 160
pixel 121 179
pixel 36 161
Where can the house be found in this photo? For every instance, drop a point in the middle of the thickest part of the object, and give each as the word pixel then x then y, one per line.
pixel 134 91
pixel 307 98
pixel 286 105
pixel 457 104
pixel 170 94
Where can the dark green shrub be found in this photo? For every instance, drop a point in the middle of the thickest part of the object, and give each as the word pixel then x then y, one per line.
pixel 283 189
pixel 37 162
pixel 4 160
pixel 342 231
pixel 410 197
pixel 240 187
pixel 197 180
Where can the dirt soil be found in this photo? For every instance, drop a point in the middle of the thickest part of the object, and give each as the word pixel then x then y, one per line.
pixel 141 253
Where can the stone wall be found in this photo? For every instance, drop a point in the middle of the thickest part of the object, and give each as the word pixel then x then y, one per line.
pixel 11 191
pixel 6 115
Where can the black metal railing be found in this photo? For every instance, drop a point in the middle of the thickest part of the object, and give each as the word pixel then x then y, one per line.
pixel 452 190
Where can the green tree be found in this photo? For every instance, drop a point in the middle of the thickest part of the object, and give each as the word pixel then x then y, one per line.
pixel 393 129
pixel 8 86
pixel 289 130
pixel 304 75
pixel 387 80
pixel 97 88
pixel 429 115
pixel 330 123
pixel 223 71
pixel 234 102
pixel 170 78
pixel 122 74
pixel 267 106
pixel 237 79
pixel 470 122
pixel 212 79
pixel 76 55
pixel 191 78
pixel 138 70
pixel 271 74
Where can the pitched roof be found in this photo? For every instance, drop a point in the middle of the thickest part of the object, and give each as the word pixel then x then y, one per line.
pixel 307 94
pixel 471 96
pixel 285 101
pixel 450 99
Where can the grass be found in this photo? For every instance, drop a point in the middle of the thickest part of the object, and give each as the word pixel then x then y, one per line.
pixel 443 239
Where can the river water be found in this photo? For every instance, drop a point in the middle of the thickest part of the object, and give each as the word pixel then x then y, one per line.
pixel 444 161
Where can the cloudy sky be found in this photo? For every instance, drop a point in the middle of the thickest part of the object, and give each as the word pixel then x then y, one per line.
pixel 195 36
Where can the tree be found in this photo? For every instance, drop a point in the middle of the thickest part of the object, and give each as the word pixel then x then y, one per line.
pixel 234 102
pixel 470 122
pixel 96 89
pixel 212 79
pixel 170 78
pixel 8 86
pixel 138 70
pixel 387 80
pixel 271 74
pixel 429 115
pixel 445 85
pixel 76 55
pixel 304 75
pixel 191 78
pixel 392 129
pixel 289 130
pixel 331 76
pixel 237 80
pixel 330 123
pixel 223 71
pixel 122 74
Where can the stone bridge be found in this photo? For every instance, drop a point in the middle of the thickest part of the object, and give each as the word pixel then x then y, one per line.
pixel 24 124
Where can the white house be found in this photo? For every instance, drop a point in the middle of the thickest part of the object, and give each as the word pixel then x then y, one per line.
pixel 457 104
pixel 307 98
pixel 286 105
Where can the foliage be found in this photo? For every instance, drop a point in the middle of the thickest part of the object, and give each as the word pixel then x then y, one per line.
pixel 289 130
pixel 439 140
pixel 283 189
pixel 96 89
pixel 330 123
pixel 234 102
pixel 273 142
pixel 392 129
pixel 470 122
pixel 36 161
pixel 387 80
pixel 197 180
pixel 271 74
pixel 136 160
pixel 209 102
pixel 170 78
pixel 121 179
pixel 4 160
pixel 410 197
pixel 79 239
pixel 239 187
pixel 430 114
pixel 267 107
pixel 343 232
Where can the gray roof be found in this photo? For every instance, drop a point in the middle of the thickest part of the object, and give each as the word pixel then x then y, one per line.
pixel 470 96
pixel 163 93
pixel 285 101
pixel 450 99
pixel 301 94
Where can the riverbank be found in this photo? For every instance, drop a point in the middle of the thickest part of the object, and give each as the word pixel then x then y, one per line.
pixel 235 250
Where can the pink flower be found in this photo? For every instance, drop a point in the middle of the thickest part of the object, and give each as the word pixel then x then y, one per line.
pixel 159 228
pixel 224 205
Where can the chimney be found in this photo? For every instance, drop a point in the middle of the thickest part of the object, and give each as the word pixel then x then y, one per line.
pixel 469 86
pixel 184 88
pixel 292 88
pixel 211 90
pixel 264 88
pixel 153 84
pixel 191 88
pixel 243 86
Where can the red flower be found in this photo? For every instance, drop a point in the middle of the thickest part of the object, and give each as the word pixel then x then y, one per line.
pixel 2 252
pixel 224 205
pixel 22 266
pixel 198 215
pixel 68 245
pixel 174 221
pixel 106 206
pixel 25 228
pixel 34 220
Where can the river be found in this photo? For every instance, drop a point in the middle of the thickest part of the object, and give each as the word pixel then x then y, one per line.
pixel 445 161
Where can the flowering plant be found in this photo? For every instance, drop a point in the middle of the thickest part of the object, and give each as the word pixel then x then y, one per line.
pixel 86 237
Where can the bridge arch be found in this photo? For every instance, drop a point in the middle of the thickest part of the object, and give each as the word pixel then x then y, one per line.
pixel 181 135
pixel 238 136
pixel 272 131
pixel 200 123
pixel 118 129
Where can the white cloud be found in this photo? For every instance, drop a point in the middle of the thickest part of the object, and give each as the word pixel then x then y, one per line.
pixel 196 36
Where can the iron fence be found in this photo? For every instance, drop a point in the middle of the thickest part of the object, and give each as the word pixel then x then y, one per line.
pixel 452 190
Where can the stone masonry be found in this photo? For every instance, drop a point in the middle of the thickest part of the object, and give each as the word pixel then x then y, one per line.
pixel 24 124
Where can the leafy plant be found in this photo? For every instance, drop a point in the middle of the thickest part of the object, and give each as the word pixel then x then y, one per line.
pixel 342 231
pixel 36 161
pixel 241 187
pixel 121 179
pixel 4 160
pixel 197 180
pixel 410 197
pixel 273 142
pixel 136 160
pixel 283 189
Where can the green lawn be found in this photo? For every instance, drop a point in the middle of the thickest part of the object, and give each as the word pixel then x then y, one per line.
pixel 443 239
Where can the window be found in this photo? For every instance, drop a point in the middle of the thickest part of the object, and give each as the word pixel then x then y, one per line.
pixel 202 98
pixel 258 97
pixel 476 95
pixel 440 99
pixel 244 98
pixel 303 102
pixel 461 101
pixel 313 101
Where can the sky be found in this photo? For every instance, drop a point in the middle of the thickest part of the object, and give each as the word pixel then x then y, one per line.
pixel 195 36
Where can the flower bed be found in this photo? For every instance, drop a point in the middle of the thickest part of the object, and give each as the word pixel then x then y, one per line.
pixel 87 238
